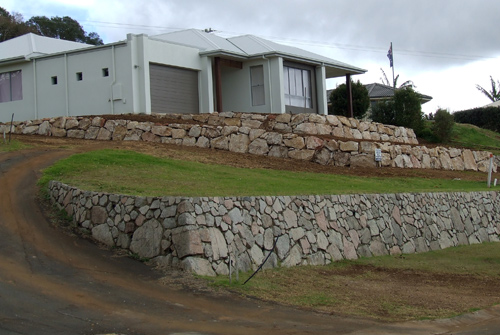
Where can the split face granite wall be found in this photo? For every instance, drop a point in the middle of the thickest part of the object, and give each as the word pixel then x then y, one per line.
pixel 327 140
pixel 199 234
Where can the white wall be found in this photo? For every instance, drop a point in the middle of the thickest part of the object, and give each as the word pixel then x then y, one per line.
pixel 321 90
pixel 70 97
pixel 125 90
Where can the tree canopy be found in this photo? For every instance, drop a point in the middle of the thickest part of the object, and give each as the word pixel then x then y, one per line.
pixel 12 25
pixel 360 100
pixel 385 81
pixel 64 28
pixel 494 94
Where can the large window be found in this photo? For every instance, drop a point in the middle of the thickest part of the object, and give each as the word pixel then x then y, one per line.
pixel 298 90
pixel 11 86
pixel 257 82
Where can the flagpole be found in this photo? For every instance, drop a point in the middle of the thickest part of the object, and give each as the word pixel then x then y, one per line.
pixel 392 65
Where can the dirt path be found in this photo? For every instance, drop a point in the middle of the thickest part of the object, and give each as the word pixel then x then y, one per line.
pixel 52 283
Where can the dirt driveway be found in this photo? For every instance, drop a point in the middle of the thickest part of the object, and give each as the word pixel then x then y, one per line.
pixel 53 283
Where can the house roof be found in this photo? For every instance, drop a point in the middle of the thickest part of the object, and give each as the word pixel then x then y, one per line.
pixel 493 104
pixel 250 46
pixel 32 45
pixel 378 91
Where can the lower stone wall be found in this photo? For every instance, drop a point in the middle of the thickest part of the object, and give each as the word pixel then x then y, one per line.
pixel 199 234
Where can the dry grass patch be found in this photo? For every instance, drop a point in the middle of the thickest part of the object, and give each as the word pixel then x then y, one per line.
pixel 423 286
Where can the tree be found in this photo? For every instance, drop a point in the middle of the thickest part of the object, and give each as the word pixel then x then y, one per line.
pixel 386 81
pixel 443 125
pixel 12 25
pixel 360 100
pixel 64 28
pixel 383 112
pixel 404 109
pixel 494 95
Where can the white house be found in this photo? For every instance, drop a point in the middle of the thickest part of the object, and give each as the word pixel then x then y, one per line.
pixel 187 71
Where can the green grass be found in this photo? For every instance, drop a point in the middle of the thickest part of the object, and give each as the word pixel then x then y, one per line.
pixel 14 145
pixel 127 172
pixel 479 259
pixel 470 136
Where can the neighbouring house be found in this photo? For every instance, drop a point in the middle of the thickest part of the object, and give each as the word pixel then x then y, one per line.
pixel 188 71
pixel 493 104
pixel 379 92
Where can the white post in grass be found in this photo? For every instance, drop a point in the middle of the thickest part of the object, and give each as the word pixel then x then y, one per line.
pixel 490 169
pixel 230 271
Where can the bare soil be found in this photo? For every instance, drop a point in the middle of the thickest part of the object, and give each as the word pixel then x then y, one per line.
pixel 363 287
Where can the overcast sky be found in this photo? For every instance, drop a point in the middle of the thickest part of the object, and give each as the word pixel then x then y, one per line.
pixel 444 46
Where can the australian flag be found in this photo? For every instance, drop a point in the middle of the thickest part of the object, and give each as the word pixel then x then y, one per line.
pixel 389 54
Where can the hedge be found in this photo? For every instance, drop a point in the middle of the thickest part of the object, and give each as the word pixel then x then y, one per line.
pixel 483 117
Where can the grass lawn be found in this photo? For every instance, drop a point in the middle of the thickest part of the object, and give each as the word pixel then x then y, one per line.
pixel 470 136
pixel 128 172
pixel 12 146
pixel 430 285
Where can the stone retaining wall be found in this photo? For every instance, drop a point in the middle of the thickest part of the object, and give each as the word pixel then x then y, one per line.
pixel 199 234
pixel 327 140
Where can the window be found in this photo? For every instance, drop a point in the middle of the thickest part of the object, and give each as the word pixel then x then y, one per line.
pixel 297 84
pixel 54 80
pixel 11 86
pixel 257 82
pixel 79 76
pixel 105 72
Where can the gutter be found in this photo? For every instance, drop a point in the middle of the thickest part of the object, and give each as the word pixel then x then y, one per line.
pixel 317 62
pixel 88 48
pixel 14 60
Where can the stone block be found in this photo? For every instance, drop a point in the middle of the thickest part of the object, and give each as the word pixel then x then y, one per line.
pixel 187 243
pixel 349 146
pixel 198 266
pixel 102 233
pixel 146 240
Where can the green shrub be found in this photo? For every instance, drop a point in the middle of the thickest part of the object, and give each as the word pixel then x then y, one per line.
pixel 443 125
pixel 360 100
pixel 483 117
pixel 404 109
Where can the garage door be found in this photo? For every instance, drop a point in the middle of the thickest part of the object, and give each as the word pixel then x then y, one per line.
pixel 173 90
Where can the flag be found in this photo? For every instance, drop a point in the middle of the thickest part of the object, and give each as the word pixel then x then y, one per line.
pixel 389 55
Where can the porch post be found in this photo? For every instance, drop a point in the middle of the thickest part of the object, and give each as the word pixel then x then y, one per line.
pixel 350 111
pixel 218 85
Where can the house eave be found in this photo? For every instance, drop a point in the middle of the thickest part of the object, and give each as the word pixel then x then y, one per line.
pixel 84 49
pixel 339 70
pixel 14 60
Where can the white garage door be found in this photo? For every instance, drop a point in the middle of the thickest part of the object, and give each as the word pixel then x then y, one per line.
pixel 173 90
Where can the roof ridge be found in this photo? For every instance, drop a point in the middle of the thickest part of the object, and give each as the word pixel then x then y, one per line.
pixel 229 40
pixel 260 41
pixel 199 33
pixel 32 43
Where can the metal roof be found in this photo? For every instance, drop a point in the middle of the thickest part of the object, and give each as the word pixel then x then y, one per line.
pixel 493 104
pixel 378 91
pixel 32 45
pixel 241 47
pixel 250 46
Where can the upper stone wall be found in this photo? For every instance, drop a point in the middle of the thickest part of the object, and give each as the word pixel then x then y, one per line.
pixel 327 140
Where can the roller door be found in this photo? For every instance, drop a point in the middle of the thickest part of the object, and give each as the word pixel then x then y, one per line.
pixel 173 90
